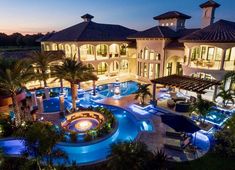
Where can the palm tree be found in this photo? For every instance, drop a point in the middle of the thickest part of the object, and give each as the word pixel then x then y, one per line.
pixel 202 107
pixel 142 92
pixel 128 155
pixel 157 161
pixel 13 76
pixel 74 72
pixel 42 61
pixel 226 96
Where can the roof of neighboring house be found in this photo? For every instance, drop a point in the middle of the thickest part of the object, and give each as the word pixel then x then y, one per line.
pixel 220 31
pixel 161 32
pixel 91 31
pixel 210 3
pixel 172 14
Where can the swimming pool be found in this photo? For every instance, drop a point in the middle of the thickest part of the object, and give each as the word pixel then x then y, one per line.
pixel 103 91
pixel 128 129
pixel 126 88
pixel 53 105
pixel 216 117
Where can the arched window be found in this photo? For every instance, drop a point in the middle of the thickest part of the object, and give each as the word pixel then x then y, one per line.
pixel 54 47
pixel 114 50
pixel 124 65
pixel 67 50
pixel 61 47
pixel 87 52
pixel 123 49
pixel 101 51
pixel 102 68
pixel 74 50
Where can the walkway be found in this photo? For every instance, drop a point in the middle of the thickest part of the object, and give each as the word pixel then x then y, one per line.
pixel 154 140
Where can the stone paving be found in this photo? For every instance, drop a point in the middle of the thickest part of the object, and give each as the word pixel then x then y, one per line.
pixel 154 140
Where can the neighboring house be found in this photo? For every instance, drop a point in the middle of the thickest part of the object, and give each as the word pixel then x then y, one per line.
pixel 169 48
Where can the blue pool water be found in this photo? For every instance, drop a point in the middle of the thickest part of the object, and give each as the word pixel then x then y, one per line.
pixel 128 129
pixel 53 105
pixel 216 117
pixel 126 88
pixel 103 91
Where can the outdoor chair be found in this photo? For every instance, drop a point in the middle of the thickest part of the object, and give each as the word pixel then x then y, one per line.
pixel 175 135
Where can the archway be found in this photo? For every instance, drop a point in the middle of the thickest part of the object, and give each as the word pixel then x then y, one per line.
pixel 102 68
pixel 87 52
pixel 174 65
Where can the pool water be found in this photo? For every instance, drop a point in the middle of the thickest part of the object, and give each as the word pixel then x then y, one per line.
pixel 216 117
pixel 103 91
pixel 53 105
pixel 128 129
pixel 126 88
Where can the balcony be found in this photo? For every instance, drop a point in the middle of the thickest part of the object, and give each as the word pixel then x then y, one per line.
pixel 205 64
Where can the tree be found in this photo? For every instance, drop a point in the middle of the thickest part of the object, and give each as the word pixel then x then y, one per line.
pixel 40 139
pixel 74 72
pixel 43 61
pixel 128 155
pixel 157 161
pixel 225 139
pixel 202 107
pixel 226 96
pixel 13 76
pixel 142 92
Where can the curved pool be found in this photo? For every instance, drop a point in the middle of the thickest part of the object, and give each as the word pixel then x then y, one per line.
pixel 128 129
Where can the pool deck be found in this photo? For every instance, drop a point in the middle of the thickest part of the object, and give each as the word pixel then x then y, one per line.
pixel 153 139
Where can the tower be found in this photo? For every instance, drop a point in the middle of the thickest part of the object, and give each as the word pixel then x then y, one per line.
pixel 172 19
pixel 208 12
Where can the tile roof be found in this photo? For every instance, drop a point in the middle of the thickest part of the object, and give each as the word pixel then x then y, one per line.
pixel 220 31
pixel 210 3
pixel 161 32
pixel 155 32
pixel 91 31
pixel 172 14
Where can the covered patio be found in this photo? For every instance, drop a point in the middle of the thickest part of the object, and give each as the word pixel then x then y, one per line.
pixel 177 100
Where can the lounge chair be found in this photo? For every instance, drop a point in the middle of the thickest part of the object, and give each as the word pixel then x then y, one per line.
pixel 175 135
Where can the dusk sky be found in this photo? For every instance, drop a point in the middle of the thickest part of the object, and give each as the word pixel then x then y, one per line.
pixel 32 16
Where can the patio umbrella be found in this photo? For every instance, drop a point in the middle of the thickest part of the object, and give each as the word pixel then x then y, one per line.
pixel 180 123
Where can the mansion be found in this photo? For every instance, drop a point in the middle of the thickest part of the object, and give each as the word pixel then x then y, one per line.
pixel 115 51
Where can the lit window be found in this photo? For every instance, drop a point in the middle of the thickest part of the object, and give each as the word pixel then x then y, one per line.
pixel 172 24
pixel 163 25
pixel 167 24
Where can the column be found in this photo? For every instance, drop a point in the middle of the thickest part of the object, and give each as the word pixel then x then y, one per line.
pixel 79 55
pixel 223 59
pixel 47 93
pixel 40 104
pixel 34 98
pixel 189 57
pixel 61 99
pixel 215 92
pixel 154 91
pixel 94 87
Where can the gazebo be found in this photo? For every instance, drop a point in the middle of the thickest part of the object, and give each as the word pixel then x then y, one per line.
pixel 188 83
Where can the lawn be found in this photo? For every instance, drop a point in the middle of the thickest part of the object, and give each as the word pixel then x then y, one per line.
pixel 211 161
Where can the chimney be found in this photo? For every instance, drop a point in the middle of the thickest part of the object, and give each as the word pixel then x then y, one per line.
pixel 208 12
pixel 87 17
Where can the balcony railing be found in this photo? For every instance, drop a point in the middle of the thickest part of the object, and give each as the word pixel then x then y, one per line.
pixel 206 64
